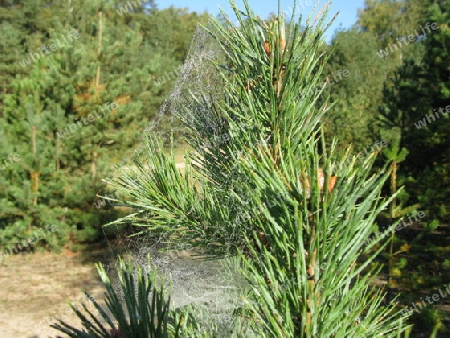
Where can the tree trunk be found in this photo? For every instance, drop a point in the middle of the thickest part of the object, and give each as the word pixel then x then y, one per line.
pixel 393 215
pixel 99 50
pixel 34 173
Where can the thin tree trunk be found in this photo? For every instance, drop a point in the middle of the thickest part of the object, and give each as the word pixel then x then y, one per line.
pixel 393 215
pixel 34 173
pixel 94 164
pixel 99 49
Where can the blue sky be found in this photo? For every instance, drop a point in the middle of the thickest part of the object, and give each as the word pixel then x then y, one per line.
pixel 347 8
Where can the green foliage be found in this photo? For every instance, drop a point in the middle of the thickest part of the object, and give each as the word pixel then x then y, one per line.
pixel 432 144
pixel 241 124
pixel 429 319
pixel 115 60
pixel 412 113
pixel 291 291
pixel 268 190
pixel 390 20
pixel 357 96
pixel 138 308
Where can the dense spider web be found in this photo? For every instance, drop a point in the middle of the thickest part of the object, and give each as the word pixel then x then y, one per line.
pixel 193 281
pixel 198 77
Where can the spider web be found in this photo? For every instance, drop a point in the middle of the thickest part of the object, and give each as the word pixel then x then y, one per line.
pixel 193 280
pixel 197 77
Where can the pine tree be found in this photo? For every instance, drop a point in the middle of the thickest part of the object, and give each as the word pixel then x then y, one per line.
pixel 33 186
pixel 358 92
pixel 298 215
pixel 428 136
pixel 12 35
pixel 74 112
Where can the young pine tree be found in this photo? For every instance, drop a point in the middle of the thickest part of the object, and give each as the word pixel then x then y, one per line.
pixel 262 185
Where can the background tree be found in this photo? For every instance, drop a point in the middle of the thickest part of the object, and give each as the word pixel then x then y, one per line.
pixel 357 95
pixel 114 61
pixel 429 145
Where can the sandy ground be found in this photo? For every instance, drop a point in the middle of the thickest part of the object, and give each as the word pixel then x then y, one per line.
pixel 36 288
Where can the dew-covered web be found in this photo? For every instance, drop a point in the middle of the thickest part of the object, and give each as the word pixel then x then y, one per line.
pixel 205 283
pixel 198 77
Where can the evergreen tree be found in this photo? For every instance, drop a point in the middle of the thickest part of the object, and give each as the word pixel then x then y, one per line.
pixel 79 83
pixel 298 214
pixel 34 187
pixel 358 94
pixel 428 136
